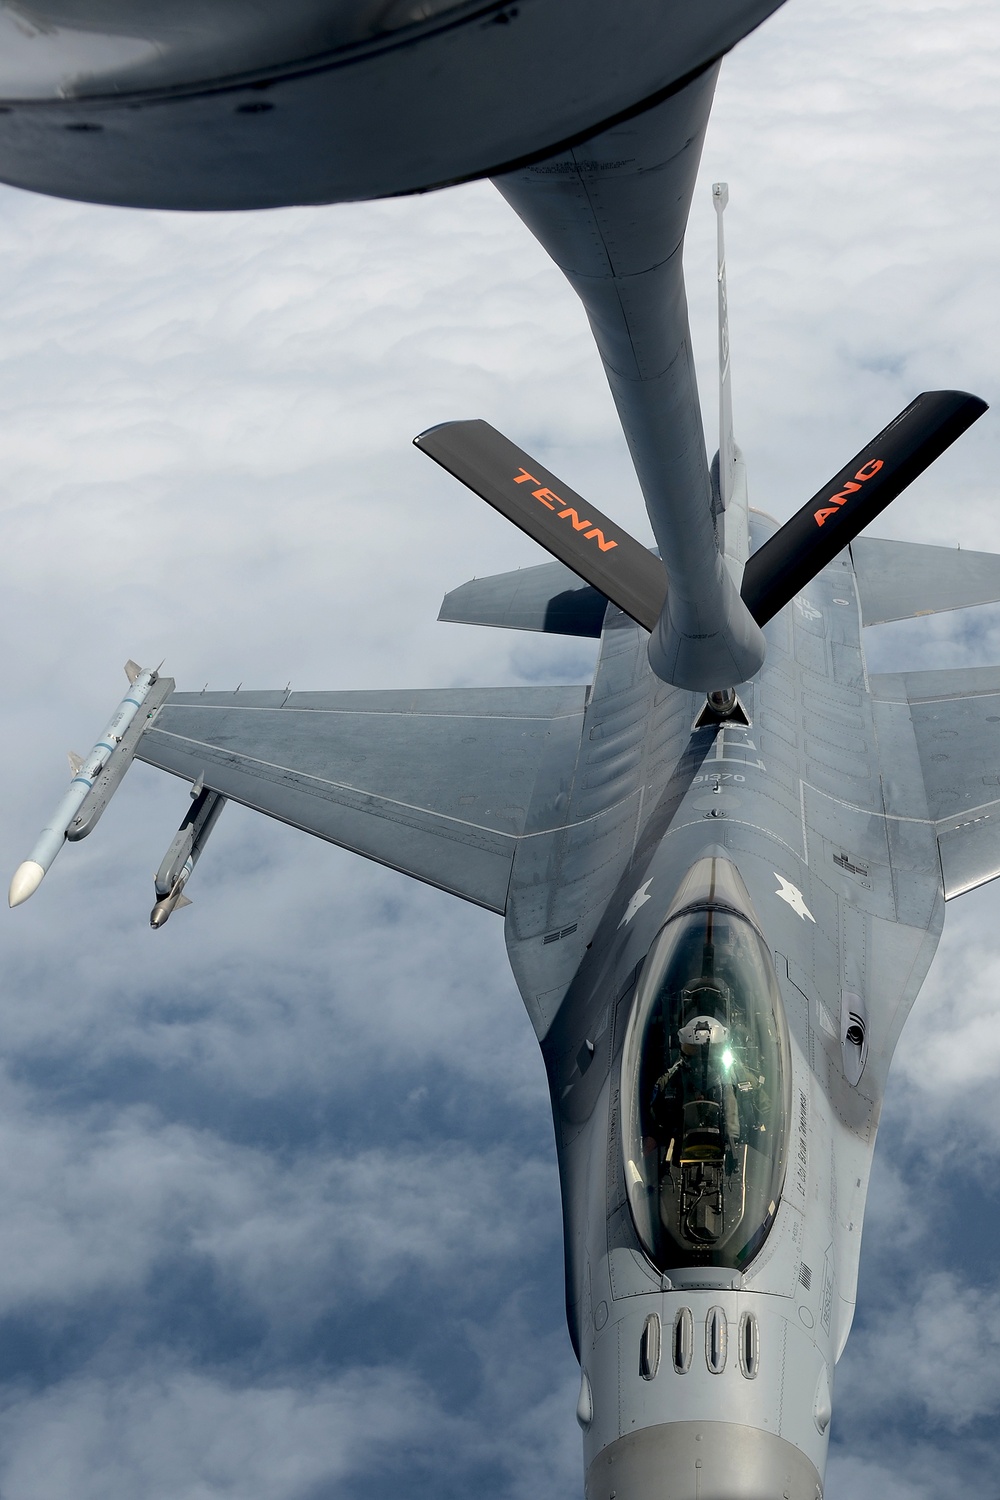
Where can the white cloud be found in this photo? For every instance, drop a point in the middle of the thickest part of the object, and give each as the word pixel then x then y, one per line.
pixel 176 1434
pixel 95 1198
pixel 935 1347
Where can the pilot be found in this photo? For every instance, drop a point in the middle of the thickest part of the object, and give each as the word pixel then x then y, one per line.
pixel 699 1075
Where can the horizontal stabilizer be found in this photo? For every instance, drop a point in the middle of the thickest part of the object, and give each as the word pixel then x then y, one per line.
pixel 548 598
pixel 861 491
pixel 593 546
pixel 898 580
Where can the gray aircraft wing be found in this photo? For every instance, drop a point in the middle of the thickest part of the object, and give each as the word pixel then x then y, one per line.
pixel 955 716
pixel 897 580
pixel 437 784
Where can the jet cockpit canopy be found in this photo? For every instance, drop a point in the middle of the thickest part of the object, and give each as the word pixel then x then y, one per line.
pixel 706 1080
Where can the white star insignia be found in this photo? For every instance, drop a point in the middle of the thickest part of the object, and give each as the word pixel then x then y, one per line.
pixel 793 896
pixel 639 899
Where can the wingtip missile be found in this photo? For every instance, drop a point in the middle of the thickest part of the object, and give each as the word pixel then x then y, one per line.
pixel 95 778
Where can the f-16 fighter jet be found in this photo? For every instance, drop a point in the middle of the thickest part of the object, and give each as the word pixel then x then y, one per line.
pixel 722 866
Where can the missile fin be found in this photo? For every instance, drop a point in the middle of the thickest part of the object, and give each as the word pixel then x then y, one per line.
pixel 132 670
pixel 75 762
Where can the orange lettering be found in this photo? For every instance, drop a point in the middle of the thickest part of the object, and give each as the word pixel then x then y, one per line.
pixel 574 519
pixel 523 477
pixel 547 498
pixel 867 471
pixel 598 536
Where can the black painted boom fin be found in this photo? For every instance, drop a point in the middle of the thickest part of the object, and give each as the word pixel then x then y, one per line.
pixel 596 548
pixel 599 551
pixel 841 509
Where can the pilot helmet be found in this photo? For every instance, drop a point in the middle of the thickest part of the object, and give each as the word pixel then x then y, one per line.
pixel 700 1032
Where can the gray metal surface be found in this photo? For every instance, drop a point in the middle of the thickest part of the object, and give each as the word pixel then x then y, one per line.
pixel 955 718
pixel 549 598
pixel 897 580
pixel 702 1461
pixel 612 214
pixel 175 104
pixel 436 783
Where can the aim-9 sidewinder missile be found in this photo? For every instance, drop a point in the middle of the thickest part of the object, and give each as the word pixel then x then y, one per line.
pixel 95 778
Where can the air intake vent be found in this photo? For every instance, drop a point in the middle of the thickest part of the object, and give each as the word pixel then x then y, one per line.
pixel 716 1334
pixel 683 1341
pixel 805 1275
pixel 649 1347
pixel 749 1345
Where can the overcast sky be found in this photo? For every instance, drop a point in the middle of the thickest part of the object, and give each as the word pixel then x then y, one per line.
pixel 278 1202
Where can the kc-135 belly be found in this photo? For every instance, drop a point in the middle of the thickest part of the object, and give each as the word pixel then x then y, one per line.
pixel 192 104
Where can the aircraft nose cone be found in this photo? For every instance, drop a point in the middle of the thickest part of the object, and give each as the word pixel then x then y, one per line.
pixel 701 1461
